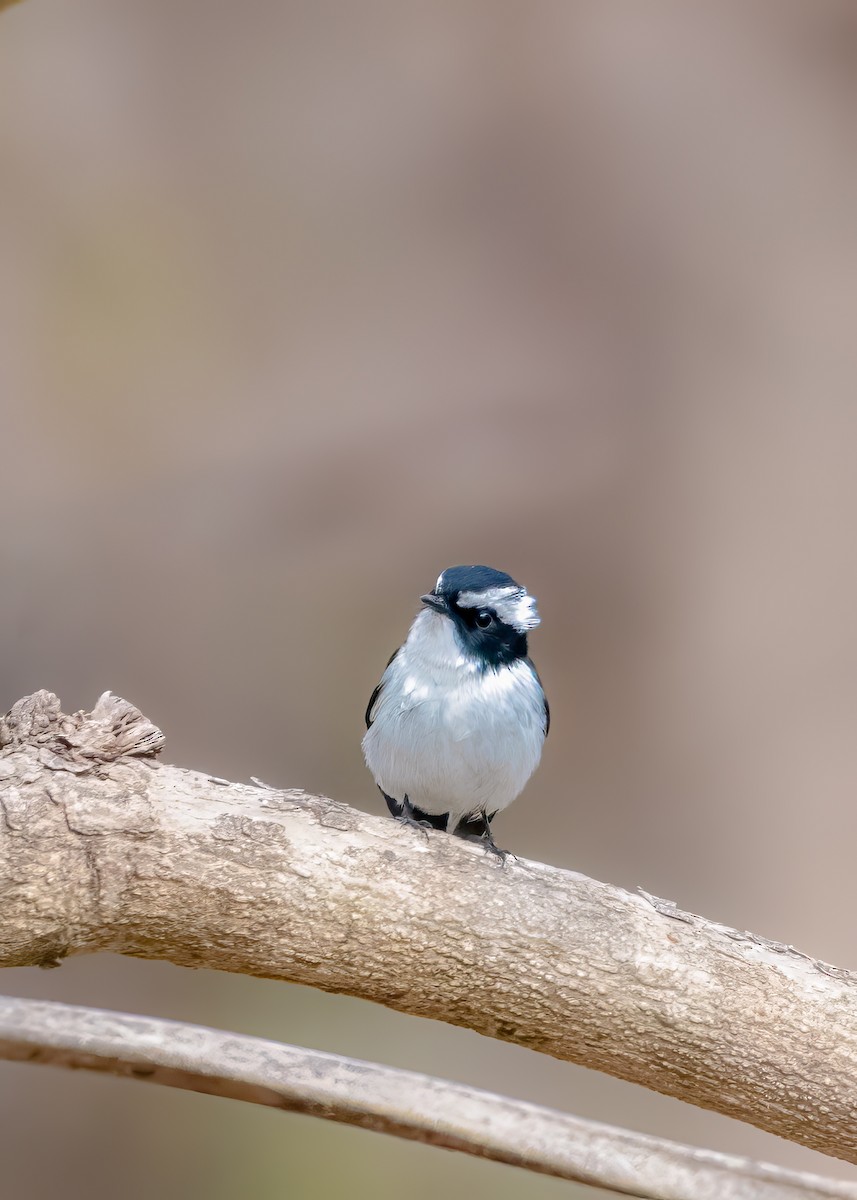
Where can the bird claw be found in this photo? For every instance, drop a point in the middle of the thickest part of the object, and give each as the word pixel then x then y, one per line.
pixel 488 845
pixel 503 855
pixel 412 823
pixel 407 817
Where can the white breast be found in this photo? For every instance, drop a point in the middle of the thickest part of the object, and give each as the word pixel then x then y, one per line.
pixel 452 737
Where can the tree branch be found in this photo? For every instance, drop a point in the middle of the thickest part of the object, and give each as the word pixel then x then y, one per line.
pixel 392 1101
pixel 103 849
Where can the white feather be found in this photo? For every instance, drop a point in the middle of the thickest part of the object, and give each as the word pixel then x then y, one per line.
pixel 451 736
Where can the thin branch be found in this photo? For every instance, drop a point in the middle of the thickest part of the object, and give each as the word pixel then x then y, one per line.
pixel 103 849
pixel 392 1101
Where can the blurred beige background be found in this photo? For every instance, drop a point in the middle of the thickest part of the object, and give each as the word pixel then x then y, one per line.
pixel 301 303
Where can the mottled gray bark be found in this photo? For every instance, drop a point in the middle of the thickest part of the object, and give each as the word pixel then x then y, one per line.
pixel 101 848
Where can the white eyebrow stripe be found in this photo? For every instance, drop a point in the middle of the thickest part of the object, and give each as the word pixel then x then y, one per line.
pixel 511 604
pixel 488 597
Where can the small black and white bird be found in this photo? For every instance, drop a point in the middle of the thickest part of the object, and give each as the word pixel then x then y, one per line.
pixel 456 726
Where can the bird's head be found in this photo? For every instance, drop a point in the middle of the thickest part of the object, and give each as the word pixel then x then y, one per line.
pixel 490 613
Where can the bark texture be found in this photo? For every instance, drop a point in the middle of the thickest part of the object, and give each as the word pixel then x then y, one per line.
pixel 391 1101
pixel 102 848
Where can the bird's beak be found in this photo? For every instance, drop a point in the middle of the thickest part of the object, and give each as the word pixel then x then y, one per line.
pixel 432 600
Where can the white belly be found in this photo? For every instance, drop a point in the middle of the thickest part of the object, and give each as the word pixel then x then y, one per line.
pixel 454 739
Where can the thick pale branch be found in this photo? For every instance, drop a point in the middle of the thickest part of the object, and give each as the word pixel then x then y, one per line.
pixel 102 849
pixel 390 1101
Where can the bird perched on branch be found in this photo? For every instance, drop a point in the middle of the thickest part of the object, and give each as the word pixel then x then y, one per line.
pixel 456 726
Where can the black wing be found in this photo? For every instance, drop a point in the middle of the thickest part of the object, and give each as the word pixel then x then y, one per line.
pixel 369 717
pixel 532 667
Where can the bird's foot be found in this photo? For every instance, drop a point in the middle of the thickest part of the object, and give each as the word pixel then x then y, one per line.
pixel 488 845
pixel 407 816
pixel 478 829
pixel 491 847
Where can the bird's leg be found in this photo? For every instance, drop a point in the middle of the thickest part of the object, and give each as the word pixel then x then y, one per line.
pixel 409 816
pixel 477 828
pixel 405 813
pixel 393 805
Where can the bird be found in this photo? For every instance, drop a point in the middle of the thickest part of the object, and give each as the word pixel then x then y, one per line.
pixel 455 728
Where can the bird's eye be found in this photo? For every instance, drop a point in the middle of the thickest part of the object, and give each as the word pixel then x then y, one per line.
pixel 484 618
